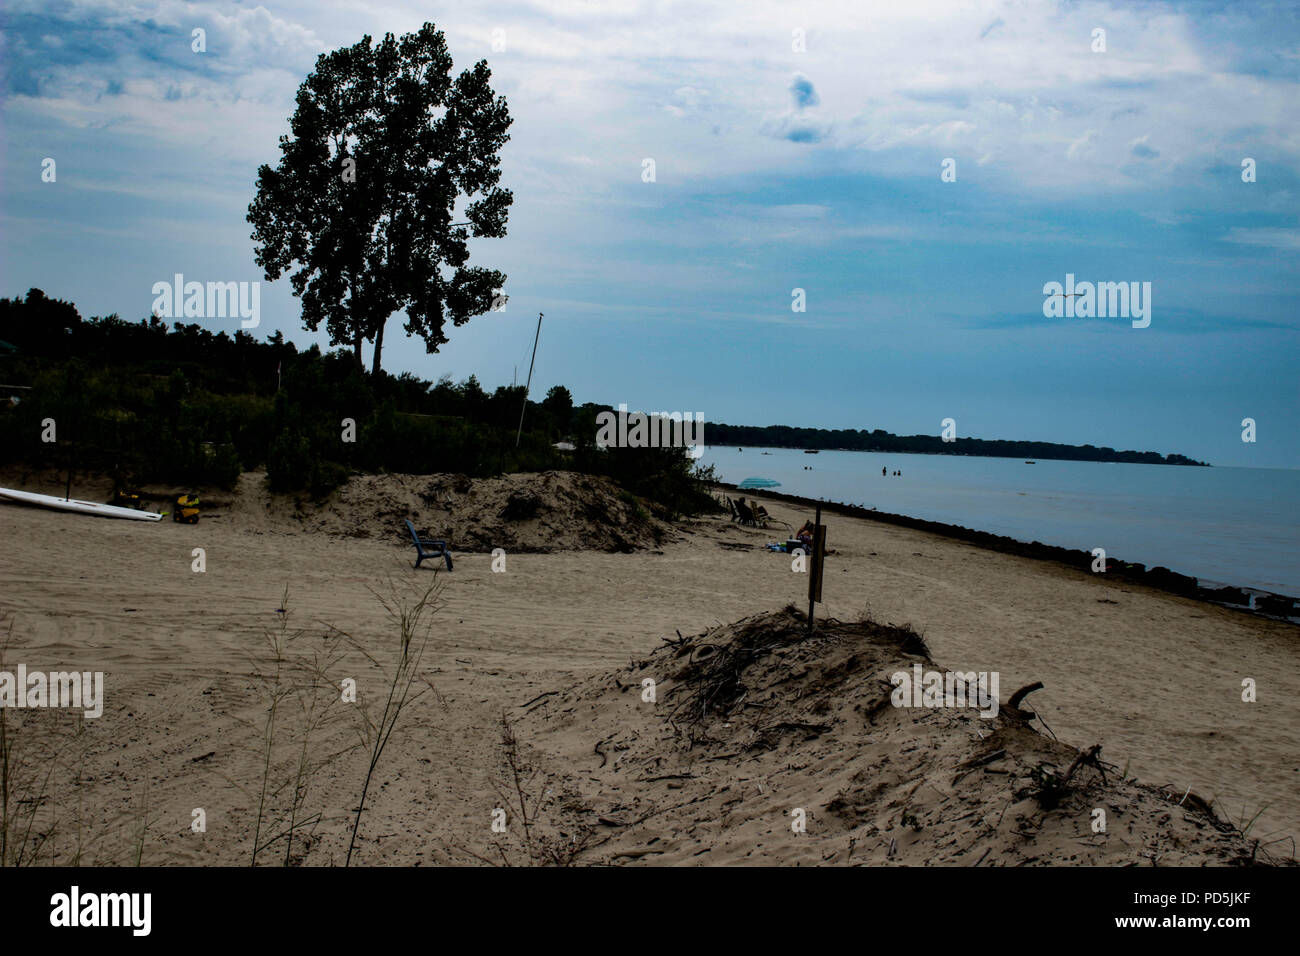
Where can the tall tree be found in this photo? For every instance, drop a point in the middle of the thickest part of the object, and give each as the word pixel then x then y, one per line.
pixel 559 405
pixel 38 324
pixel 384 144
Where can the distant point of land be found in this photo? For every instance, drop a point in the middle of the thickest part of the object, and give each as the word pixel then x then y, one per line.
pixel 879 440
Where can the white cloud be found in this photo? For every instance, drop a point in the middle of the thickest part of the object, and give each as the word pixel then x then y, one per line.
pixel 1082 147
pixel 703 90
pixel 1288 239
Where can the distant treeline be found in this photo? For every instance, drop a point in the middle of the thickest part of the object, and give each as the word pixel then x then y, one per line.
pixel 145 403
pixel 852 439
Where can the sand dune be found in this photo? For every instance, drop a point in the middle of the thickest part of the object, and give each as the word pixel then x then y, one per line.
pixel 1153 678
pixel 763 743
pixel 551 511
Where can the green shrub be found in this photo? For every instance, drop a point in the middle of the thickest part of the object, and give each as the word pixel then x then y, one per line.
pixel 288 462
pixel 223 467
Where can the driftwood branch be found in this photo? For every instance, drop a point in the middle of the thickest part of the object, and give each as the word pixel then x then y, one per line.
pixel 1089 756
pixel 1018 696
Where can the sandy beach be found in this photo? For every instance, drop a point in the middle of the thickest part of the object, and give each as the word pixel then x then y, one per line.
pixel 1154 679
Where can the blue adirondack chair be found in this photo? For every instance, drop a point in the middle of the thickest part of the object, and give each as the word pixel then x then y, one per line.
pixel 426 547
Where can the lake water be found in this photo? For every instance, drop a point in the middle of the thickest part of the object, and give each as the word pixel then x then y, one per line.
pixel 1237 526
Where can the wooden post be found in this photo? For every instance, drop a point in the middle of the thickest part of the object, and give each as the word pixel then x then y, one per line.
pixel 72 463
pixel 818 561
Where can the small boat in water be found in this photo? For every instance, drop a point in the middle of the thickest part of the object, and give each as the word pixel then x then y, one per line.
pixel 810 451
pixel 1031 463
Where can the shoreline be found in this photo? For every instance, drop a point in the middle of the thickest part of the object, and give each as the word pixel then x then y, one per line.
pixel 1253 601
pixel 966 454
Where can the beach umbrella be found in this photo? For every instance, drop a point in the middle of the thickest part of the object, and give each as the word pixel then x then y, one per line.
pixel 759 483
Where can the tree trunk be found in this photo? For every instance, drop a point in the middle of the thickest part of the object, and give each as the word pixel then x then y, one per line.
pixel 354 307
pixel 379 346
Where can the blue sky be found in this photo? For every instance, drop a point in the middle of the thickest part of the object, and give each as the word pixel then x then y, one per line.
pixel 776 168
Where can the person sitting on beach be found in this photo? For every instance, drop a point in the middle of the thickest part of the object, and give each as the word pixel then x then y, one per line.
pixel 805 535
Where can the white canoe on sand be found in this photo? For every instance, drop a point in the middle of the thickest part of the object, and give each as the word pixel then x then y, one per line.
pixel 72 504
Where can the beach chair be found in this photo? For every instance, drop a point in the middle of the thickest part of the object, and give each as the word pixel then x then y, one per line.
pixel 736 513
pixel 426 547
pixel 761 515
pixel 746 512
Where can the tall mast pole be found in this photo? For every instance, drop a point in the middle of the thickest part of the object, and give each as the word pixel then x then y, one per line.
pixel 530 380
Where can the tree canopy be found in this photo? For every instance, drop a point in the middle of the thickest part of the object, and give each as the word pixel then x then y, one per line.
pixel 386 149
